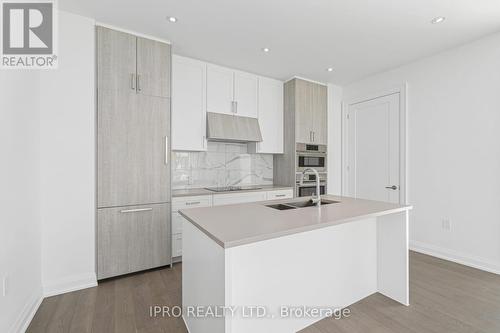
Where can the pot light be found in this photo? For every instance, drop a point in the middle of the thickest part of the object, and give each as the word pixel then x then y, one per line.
pixel 265 50
pixel 329 69
pixel 172 19
pixel 438 19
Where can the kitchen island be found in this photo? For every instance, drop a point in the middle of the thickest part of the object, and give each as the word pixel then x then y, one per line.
pixel 247 267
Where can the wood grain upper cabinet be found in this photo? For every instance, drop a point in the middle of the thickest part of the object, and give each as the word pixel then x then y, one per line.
pixel 246 94
pixel 220 89
pixel 188 104
pixel 319 110
pixel 153 68
pixel 132 239
pixel 303 111
pixel 270 114
pixel 116 61
pixel 311 124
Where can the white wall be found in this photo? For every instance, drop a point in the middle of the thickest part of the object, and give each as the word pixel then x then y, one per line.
pixel 68 160
pixel 19 198
pixel 334 139
pixel 454 149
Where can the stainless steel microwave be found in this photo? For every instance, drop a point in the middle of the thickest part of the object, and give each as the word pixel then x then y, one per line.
pixel 311 156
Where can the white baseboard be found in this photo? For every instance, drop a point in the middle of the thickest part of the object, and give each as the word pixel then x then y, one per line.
pixel 69 284
pixel 451 255
pixel 27 313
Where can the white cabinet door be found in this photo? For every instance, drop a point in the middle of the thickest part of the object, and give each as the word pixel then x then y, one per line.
pixel 235 198
pixel 220 89
pixel 188 104
pixel 246 94
pixel 180 203
pixel 176 245
pixel 270 116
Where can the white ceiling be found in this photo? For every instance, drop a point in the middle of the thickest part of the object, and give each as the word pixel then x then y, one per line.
pixel 355 37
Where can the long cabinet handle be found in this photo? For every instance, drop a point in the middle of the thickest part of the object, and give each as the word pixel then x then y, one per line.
pixel 193 203
pixel 139 82
pixel 166 150
pixel 135 210
pixel 314 136
pixel 132 81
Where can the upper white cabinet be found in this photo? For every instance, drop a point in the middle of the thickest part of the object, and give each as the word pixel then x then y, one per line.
pixel 246 94
pixel 199 87
pixel 188 104
pixel 220 89
pixel 232 92
pixel 270 114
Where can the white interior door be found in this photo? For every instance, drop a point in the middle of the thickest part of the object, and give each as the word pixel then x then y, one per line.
pixel 373 149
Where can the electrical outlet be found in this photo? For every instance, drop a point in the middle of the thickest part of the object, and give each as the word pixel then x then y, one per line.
pixel 446 224
pixel 4 285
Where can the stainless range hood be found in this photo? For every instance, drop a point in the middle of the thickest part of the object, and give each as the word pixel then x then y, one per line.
pixel 229 128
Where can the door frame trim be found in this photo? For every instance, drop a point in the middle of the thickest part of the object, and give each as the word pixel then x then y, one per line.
pixel 403 136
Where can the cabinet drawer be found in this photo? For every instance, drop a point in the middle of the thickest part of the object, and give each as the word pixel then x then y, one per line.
pixel 176 245
pixel 235 198
pixel 132 238
pixel 191 202
pixel 280 194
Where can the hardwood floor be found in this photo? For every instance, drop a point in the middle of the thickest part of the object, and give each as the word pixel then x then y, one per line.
pixel 444 297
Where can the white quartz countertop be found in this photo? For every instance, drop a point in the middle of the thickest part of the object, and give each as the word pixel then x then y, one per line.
pixel 239 224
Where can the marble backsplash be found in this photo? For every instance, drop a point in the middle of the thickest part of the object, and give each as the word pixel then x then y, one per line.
pixel 223 164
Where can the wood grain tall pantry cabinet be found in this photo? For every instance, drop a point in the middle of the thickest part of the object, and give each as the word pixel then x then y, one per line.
pixel 133 167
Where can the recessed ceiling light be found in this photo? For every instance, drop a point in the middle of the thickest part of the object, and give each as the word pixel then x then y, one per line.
pixel 329 69
pixel 438 19
pixel 265 49
pixel 172 19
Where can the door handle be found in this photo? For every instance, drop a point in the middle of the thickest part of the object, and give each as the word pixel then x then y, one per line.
pixel 138 82
pixel 393 187
pixel 136 210
pixel 166 150
pixel 132 81
pixel 314 136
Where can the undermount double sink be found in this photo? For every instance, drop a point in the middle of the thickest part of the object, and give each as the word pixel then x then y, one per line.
pixel 299 204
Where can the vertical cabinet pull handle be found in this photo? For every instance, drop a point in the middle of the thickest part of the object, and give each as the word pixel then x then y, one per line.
pixel 132 81
pixel 314 136
pixel 138 82
pixel 166 150
pixel 236 107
